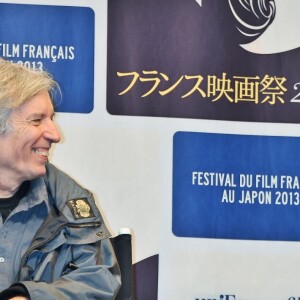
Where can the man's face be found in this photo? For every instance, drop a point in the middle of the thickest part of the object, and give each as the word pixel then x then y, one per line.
pixel 24 150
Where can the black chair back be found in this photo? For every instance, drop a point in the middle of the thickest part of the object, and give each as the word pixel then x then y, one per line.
pixel 123 249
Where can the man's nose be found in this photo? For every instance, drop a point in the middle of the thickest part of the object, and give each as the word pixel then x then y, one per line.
pixel 52 133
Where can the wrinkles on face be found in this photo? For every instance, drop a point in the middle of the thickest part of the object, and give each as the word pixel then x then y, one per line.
pixel 25 148
pixel 19 124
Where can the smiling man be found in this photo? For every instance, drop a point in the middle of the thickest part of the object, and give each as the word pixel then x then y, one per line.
pixel 53 241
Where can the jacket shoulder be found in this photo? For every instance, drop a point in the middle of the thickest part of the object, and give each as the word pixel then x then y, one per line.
pixel 70 198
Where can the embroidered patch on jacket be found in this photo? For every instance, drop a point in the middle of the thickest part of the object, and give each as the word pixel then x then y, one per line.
pixel 80 208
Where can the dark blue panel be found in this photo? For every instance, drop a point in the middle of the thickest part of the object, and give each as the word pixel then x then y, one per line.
pixel 236 186
pixel 179 59
pixel 59 39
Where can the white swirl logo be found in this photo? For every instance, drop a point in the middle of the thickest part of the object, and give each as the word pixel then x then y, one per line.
pixel 267 26
pixel 260 14
pixel 273 27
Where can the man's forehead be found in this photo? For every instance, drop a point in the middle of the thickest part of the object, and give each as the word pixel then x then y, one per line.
pixel 39 104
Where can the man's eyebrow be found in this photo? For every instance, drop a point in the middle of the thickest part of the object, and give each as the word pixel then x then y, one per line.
pixel 39 115
pixel 34 116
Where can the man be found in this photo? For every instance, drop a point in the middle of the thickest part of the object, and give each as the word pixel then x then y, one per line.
pixel 53 241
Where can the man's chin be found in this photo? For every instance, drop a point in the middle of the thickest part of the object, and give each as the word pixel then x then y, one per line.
pixel 38 172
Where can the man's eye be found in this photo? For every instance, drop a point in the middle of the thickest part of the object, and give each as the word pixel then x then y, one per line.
pixel 36 122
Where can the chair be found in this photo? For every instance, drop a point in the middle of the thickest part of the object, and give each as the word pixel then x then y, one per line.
pixel 123 249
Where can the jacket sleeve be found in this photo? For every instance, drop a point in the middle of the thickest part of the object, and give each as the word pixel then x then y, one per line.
pixel 94 274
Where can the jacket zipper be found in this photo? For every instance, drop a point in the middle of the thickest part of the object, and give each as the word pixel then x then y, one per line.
pixel 91 224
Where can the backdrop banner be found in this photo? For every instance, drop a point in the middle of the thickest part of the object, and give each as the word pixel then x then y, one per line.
pixel 182 118
pixel 189 59
pixel 47 37
pixel 236 186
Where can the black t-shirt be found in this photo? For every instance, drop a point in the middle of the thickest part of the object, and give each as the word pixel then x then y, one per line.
pixel 7 205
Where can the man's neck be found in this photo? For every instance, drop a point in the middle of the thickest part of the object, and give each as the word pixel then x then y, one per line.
pixel 8 190
pixel 9 182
